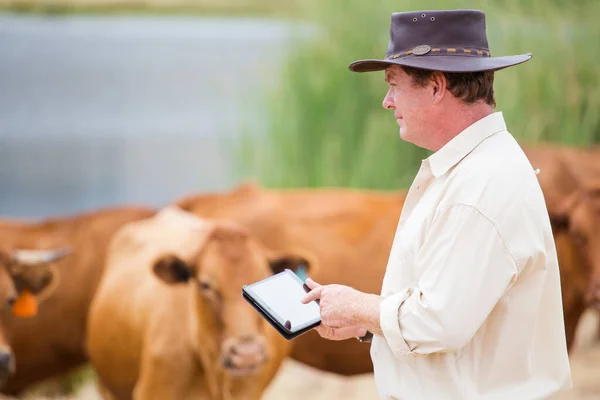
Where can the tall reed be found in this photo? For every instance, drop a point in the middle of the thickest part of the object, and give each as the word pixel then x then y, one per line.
pixel 325 125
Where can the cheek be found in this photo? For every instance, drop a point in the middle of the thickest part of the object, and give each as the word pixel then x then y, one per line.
pixel 410 104
pixel 400 102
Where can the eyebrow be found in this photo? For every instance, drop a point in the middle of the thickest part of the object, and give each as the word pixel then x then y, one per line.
pixel 388 77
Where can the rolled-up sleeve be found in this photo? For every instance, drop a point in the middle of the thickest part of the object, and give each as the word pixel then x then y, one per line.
pixel 466 270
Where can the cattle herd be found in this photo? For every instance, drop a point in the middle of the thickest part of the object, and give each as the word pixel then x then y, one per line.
pixel 151 298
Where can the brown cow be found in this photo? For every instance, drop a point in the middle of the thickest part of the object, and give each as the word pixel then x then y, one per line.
pixel 579 216
pixel 169 321
pixel 570 180
pixel 27 278
pixel 350 232
pixel 52 343
pixel 563 169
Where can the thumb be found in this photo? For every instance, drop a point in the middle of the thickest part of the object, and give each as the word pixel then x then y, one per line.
pixel 311 284
pixel 313 295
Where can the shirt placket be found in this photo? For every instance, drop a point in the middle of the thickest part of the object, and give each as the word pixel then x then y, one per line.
pixel 417 189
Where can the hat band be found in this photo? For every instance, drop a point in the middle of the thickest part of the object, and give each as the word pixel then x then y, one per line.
pixel 419 51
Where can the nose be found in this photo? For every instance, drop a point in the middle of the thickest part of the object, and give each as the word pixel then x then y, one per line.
pixel 244 355
pixel 388 101
pixel 7 364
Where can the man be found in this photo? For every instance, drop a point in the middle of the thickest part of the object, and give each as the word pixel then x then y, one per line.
pixel 470 306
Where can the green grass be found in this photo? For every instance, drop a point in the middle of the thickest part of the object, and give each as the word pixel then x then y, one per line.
pixel 62 387
pixel 326 127
pixel 259 8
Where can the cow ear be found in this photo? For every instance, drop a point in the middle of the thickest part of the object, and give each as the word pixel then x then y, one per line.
pixel 172 269
pixel 39 281
pixel 559 222
pixel 33 270
pixel 300 264
pixel 559 210
pixel 34 285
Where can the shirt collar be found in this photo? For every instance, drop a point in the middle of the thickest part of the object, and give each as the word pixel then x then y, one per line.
pixel 463 143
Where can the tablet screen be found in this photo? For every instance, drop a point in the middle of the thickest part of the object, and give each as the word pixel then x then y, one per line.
pixel 283 294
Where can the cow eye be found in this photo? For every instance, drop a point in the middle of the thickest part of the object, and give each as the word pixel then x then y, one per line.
pixel 207 290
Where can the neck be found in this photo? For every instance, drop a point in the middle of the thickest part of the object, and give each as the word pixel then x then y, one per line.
pixel 457 119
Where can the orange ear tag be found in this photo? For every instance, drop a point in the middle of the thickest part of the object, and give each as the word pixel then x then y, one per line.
pixel 25 306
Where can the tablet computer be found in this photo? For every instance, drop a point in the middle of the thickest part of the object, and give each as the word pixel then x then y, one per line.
pixel 278 299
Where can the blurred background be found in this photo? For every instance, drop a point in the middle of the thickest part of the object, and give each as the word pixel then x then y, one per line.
pixel 106 102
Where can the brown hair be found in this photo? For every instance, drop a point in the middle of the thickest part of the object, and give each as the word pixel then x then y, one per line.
pixel 468 86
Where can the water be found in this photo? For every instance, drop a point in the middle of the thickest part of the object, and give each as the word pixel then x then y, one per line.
pixel 97 111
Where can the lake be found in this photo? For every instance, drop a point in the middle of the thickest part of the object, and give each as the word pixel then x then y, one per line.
pixel 104 110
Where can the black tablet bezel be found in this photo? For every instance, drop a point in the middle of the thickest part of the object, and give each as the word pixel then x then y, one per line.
pixel 272 317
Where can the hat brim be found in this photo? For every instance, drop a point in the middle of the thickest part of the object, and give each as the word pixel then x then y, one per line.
pixel 443 63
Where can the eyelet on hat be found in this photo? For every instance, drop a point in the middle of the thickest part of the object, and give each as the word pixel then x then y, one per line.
pixel 432 19
pixel 414 19
pixel 423 15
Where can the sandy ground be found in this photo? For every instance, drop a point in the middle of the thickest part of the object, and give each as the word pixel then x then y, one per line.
pixel 296 381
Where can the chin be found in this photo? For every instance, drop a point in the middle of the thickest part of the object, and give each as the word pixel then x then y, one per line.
pixel 404 135
pixel 407 137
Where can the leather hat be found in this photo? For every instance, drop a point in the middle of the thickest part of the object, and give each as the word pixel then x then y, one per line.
pixel 448 40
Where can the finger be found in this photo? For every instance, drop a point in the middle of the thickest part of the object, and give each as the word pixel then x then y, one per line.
pixel 324 331
pixel 346 333
pixel 314 294
pixel 332 333
pixel 351 331
pixel 311 284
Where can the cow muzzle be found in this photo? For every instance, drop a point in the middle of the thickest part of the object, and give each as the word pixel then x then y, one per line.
pixel 243 356
pixel 7 365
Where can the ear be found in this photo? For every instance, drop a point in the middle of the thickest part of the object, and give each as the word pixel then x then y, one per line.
pixel 34 285
pixel 438 83
pixel 172 269
pixel 34 277
pixel 39 280
pixel 559 221
pixel 559 210
pixel 32 270
pixel 301 264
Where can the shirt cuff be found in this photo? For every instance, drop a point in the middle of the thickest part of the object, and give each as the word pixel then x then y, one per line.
pixel 390 322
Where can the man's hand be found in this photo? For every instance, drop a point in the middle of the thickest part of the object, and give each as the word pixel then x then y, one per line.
pixel 332 333
pixel 345 312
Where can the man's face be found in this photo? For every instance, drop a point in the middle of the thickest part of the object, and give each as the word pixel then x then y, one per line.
pixel 412 106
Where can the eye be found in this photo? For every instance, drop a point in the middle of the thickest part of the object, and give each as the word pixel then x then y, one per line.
pixel 394 87
pixel 11 301
pixel 207 290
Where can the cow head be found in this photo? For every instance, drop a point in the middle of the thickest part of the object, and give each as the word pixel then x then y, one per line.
pixel 228 258
pixel 579 216
pixel 27 277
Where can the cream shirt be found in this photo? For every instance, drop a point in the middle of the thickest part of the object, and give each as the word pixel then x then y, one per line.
pixel 472 298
